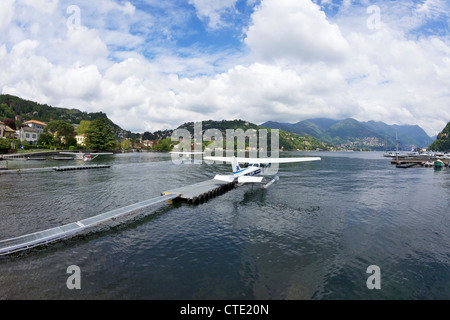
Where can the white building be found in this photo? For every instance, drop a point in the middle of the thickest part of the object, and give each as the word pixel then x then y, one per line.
pixel 81 139
pixel 38 125
pixel 28 135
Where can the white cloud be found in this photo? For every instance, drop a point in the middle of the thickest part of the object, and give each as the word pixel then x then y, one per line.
pixel 294 31
pixel 6 15
pixel 213 10
pixel 300 64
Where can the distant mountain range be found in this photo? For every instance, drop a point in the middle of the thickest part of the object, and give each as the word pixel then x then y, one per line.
pixel 356 134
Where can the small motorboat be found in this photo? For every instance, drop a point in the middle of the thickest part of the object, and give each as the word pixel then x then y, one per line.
pixel 429 163
pixel 438 164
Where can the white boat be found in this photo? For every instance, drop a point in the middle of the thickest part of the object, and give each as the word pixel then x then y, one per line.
pixel 429 163
pixel 391 154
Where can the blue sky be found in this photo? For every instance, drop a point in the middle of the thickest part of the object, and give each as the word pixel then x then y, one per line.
pixel 152 64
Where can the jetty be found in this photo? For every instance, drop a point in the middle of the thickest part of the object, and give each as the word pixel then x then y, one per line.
pixel 24 156
pixel 4 168
pixel 417 162
pixel 194 194
pixel 51 235
pixel 201 191
pixel 82 167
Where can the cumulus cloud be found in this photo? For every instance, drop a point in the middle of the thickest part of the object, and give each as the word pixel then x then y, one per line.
pixel 6 14
pixel 213 11
pixel 295 30
pixel 297 63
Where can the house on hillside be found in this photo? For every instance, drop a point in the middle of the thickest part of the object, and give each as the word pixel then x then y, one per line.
pixel 149 144
pixel 28 135
pixel 81 139
pixel 6 131
pixel 38 125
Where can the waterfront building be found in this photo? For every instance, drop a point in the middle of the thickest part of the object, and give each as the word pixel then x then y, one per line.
pixel 28 135
pixel 37 125
pixel 6 131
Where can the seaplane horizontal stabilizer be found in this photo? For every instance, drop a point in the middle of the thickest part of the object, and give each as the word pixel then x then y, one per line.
pixel 248 179
pixel 226 178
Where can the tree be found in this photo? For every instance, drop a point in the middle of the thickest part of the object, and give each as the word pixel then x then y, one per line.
pixel 126 144
pixel 164 145
pixel 84 126
pixel 442 142
pixel 10 123
pixel 62 130
pixel 100 135
pixel 45 139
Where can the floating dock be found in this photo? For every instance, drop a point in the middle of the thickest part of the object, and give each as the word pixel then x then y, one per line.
pixel 405 161
pixel 44 237
pixel 84 167
pixel 201 191
pixel 26 155
pixel 194 193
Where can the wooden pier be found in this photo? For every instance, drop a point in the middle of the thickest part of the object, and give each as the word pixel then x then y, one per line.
pixel 201 191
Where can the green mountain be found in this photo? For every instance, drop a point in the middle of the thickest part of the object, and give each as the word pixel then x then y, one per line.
pixel 288 141
pixel 350 133
pixel 12 107
pixel 442 142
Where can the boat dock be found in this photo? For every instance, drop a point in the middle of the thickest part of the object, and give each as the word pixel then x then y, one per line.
pixel 194 193
pixel 50 235
pixel 82 167
pixel 418 162
pixel 201 191
pixel 24 156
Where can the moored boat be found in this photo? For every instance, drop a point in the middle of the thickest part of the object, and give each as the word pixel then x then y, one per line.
pixel 438 164
pixel 429 163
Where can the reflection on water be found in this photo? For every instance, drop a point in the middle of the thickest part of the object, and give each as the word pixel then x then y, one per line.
pixel 310 236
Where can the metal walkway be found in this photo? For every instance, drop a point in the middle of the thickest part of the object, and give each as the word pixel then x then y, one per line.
pixel 193 194
pixel 50 235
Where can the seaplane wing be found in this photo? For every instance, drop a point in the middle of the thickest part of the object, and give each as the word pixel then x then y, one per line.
pixel 86 156
pixel 186 152
pixel 263 160
pixel 80 153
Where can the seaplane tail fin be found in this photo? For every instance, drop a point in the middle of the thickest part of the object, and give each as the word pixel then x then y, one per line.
pixel 226 178
pixel 235 165
pixel 248 179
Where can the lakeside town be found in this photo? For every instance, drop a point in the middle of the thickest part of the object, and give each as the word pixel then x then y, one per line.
pixel 99 134
pixel 57 134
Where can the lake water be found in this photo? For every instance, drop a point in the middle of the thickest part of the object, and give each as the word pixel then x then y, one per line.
pixel 311 236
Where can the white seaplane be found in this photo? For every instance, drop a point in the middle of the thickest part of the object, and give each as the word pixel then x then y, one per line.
pixel 256 166
pixel 85 156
